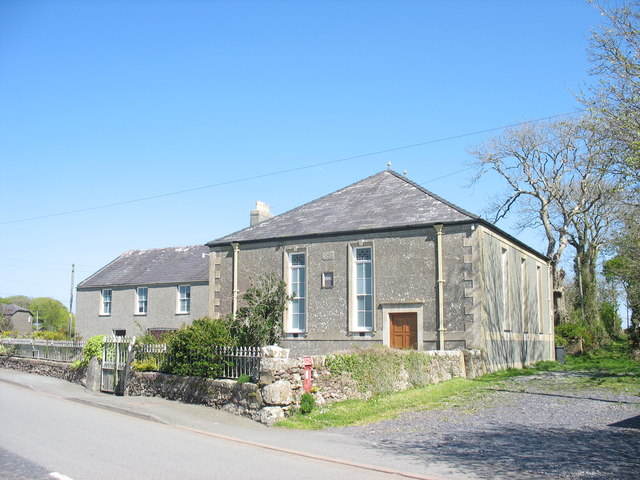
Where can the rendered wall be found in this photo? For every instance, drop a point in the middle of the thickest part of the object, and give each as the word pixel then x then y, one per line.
pixel 404 266
pixel 161 310
pixel 517 325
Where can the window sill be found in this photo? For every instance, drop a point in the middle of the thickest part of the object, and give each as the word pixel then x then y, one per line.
pixel 295 335
pixel 104 314
pixel 139 314
pixel 183 313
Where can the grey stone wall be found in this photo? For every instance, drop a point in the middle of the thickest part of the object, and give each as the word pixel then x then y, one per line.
pixel 404 265
pixel 45 368
pixel 162 309
pixel 281 384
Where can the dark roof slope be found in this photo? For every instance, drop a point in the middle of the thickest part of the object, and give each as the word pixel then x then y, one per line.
pixel 384 200
pixel 152 267
pixel 11 309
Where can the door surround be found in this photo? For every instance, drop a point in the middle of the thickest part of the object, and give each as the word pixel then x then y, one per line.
pixel 408 307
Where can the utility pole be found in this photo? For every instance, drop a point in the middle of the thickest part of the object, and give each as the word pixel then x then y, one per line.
pixel 73 271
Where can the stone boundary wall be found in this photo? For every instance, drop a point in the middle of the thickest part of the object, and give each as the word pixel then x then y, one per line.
pixel 276 394
pixel 46 368
pixel 281 384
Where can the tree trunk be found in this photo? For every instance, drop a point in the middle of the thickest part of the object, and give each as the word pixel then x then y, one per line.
pixel 560 315
pixel 585 264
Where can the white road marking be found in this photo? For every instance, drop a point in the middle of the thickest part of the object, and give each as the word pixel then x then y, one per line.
pixel 59 476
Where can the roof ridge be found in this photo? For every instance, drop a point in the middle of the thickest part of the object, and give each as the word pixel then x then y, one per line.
pixel 434 195
pixel 270 220
pixel 382 186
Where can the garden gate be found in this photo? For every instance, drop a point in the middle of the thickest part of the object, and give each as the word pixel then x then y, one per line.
pixel 117 354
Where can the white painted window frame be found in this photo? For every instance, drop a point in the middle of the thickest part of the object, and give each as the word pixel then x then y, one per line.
pixel 504 268
pixel 106 300
pixel 139 301
pixel 353 287
pixel 180 298
pixel 288 270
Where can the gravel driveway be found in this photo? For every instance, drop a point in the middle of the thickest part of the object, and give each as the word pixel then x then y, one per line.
pixel 540 426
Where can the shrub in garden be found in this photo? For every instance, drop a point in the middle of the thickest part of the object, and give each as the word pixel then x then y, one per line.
pixel 307 403
pixel 190 349
pixel 258 321
pixel 93 348
pixel 148 364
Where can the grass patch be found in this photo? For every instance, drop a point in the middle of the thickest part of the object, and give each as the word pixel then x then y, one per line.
pixel 612 369
pixel 454 392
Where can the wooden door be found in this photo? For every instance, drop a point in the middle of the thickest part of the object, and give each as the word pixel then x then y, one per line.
pixel 404 330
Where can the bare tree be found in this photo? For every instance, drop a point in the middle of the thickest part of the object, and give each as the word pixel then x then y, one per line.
pixel 615 100
pixel 556 175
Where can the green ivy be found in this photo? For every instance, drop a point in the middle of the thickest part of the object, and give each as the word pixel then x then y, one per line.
pixel 376 369
pixel 93 348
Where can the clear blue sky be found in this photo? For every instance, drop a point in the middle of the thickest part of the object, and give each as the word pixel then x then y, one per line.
pixel 104 102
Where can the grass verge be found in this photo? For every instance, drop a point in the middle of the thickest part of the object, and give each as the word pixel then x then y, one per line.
pixel 611 369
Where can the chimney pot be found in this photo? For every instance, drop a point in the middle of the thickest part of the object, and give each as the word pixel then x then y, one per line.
pixel 260 214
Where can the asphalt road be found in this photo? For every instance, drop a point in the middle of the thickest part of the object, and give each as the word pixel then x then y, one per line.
pixel 48 435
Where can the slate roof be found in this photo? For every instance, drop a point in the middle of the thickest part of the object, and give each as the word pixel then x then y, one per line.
pixel 384 200
pixel 152 267
pixel 12 309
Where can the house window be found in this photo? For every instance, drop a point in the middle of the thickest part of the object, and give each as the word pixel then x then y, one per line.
pixel 524 295
pixel 539 298
pixel 106 302
pixel 363 288
pixel 327 279
pixel 505 289
pixel 142 299
pixel 297 290
pixel 184 299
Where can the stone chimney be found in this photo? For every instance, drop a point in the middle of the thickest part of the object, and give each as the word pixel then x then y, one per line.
pixel 260 214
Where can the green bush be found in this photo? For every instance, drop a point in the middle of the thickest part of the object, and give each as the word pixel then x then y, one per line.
pixel 244 378
pixel 93 348
pixel 307 403
pixel 148 364
pixel 49 335
pixel 592 336
pixel 190 349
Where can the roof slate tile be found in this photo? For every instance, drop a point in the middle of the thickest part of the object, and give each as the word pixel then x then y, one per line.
pixel 386 199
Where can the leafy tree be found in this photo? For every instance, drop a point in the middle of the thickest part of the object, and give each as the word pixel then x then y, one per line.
pixel 259 321
pixel 625 267
pixel 20 300
pixel 52 314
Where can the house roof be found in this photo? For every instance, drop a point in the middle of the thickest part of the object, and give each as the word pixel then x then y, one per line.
pixel 11 309
pixel 384 200
pixel 153 267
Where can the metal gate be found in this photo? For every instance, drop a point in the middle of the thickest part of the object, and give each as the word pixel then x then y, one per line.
pixel 117 354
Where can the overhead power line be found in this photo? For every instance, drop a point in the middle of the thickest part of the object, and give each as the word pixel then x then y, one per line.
pixel 288 170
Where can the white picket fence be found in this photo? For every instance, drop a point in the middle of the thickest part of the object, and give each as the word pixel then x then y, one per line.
pixel 57 350
pixel 236 361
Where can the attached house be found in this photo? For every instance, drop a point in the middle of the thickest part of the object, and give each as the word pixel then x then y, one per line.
pixel 386 262
pixel 145 290
pixel 17 318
